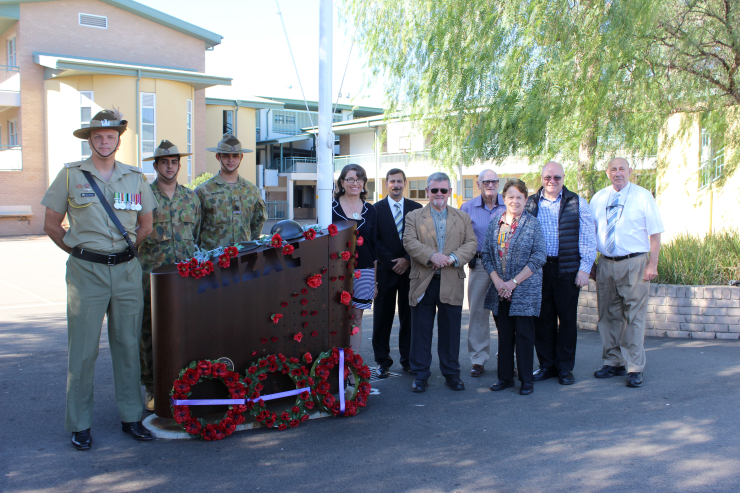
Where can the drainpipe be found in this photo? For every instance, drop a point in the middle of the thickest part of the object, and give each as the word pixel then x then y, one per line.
pixel 138 121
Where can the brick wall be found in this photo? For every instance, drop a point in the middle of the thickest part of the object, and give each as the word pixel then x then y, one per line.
pixel 695 312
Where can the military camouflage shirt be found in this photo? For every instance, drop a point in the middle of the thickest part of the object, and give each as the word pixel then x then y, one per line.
pixel 176 224
pixel 230 214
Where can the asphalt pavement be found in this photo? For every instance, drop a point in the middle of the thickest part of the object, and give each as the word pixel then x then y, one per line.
pixel 678 433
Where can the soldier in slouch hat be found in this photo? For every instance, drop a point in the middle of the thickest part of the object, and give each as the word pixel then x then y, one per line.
pixel 176 225
pixel 233 209
pixel 109 207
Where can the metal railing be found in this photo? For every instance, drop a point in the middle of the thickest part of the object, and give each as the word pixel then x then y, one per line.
pixel 11 158
pixel 711 170
pixel 395 160
pixel 277 209
pixel 7 71
pixel 290 122
pixel 294 165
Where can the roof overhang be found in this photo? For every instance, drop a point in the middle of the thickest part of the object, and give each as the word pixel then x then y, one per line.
pixel 255 102
pixel 313 105
pixel 285 140
pixel 9 15
pixel 210 39
pixel 64 66
pixel 358 126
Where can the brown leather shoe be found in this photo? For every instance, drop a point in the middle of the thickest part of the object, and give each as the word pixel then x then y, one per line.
pixel 476 370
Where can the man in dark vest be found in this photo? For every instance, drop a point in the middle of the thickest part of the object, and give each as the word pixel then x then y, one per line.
pixel 571 250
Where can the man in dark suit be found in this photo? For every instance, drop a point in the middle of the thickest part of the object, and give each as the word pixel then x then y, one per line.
pixel 393 274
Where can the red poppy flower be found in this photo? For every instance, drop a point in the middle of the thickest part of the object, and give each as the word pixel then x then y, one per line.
pixel 254 353
pixel 333 278
pixel 274 339
pixel 333 230
pixel 193 426
pixel 324 270
pixel 219 369
pixel 293 359
pixel 314 281
pixel 314 313
pixel 309 405
pixel 275 317
pixel 333 256
pixel 191 376
pixel 208 265
pixel 345 298
pixel 205 367
pixel 252 369
pixel 281 358
pixel 288 249
pixel 181 387
pixel 283 426
pixel 345 255
pixel 314 334
pixel 310 234
pixel 263 363
pixel 298 336
pixel 355 330
pixel 304 301
pixel 304 313
pixel 193 262
pixel 305 324
pixel 341 278
pixel 358 274
pixel 223 261
pixel 360 240
pixel 285 303
pixel 276 240
pixel 263 340
pixel 333 332
pixel 304 291
pixel 350 266
pixel 295 295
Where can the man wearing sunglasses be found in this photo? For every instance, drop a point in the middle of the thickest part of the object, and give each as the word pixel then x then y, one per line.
pixel 628 226
pixel 481 209
pixel 571 250
pixel 440 240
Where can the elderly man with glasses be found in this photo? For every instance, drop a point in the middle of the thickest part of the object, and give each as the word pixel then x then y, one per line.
pixel 481 209
pixel 628 226
pixel 571 250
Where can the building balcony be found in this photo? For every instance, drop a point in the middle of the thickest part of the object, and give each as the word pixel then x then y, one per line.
pixel 11 158
pixel 10 87
pixel 387 160
pixel 294 165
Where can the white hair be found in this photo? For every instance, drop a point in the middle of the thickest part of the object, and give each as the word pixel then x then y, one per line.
pixel 439 176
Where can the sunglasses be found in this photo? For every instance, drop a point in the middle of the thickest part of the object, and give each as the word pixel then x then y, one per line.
pixel 553 178
pixel 489 183
pixel 438 190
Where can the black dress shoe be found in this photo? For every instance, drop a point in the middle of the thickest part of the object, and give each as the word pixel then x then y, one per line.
pixel 454 383
pixel 634 379
pixel 82 440
pixel 502 384
pixel 476 370
pixel 607 371
pixel 526 388
pixel 381 372
pixel 543 374
pixel 419 385
pixel 566 378
pixel 137 430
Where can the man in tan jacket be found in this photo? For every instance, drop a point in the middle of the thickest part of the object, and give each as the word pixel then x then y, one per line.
pixel 440 240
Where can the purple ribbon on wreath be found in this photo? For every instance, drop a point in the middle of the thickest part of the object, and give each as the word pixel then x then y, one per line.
pixel 227 402
pixel 341 382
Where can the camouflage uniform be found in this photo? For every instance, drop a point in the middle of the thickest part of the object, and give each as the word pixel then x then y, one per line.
pixel 176 224
pixel 231 214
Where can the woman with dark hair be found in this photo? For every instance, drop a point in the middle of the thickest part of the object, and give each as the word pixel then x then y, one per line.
pixel 349 205
pixel 513 255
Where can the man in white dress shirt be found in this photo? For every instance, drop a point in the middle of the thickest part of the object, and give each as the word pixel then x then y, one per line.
pixel 628 227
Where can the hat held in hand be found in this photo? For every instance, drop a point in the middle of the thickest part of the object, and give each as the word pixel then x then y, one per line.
pixel 229 145
pixel 108 119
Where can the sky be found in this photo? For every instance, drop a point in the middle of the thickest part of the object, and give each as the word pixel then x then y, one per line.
pixel 254 51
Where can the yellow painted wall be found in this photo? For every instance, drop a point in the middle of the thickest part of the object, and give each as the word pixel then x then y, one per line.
pixel 246 133
pixel 172 116
pixel 685 208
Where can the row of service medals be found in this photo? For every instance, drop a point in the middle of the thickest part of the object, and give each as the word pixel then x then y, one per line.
pixel 127 201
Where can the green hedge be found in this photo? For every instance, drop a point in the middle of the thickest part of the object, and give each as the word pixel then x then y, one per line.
pixel 201 178
pixel 693 260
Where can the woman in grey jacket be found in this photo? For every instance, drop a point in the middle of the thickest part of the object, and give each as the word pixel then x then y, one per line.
pixel 513 254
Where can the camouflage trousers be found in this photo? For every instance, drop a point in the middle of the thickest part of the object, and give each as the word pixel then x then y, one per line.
pixel 146 353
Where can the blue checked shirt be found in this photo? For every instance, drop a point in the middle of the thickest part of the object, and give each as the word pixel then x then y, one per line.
pixel 549 217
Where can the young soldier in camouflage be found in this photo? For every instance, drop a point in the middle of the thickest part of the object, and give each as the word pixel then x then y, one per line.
pixel 176 224
pixel 233 210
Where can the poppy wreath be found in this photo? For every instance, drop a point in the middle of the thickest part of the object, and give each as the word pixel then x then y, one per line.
pixel 191 375
pixel 321 391
pixel 287 366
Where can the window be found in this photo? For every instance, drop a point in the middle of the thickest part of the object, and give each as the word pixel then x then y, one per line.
pixel 228 122
pixel 712 159
pixel 86 104
pixel 148 129
pixel 91 20
pixel 468 185
pixel 370 187
pixel 257 123
pixel 417 189
pixel 190 138
pixel 12 60
pixel 13 133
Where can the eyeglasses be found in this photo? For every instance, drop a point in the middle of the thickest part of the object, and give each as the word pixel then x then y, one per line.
pixel 489 183
pixel 439 190
pixel 553 178
pixel 352 181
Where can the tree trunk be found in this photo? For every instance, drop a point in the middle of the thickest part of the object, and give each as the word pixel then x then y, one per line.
pixel 586 163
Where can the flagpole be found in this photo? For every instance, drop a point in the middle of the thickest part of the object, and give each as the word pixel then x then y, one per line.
pixel 325 137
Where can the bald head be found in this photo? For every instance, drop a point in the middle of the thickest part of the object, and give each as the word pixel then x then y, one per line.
pixel 618 170
pixel 488 185
pixel 552 179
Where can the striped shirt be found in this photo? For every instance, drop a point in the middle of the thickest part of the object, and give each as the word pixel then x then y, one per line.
pixel 549 216
pixel 481 215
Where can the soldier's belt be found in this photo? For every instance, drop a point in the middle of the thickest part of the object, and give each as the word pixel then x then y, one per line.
pixel 98 258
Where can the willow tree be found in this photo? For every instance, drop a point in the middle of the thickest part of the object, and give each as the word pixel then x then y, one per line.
pixel 545 78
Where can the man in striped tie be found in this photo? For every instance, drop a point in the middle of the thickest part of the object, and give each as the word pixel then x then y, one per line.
pixel 393 274
pixel 628 228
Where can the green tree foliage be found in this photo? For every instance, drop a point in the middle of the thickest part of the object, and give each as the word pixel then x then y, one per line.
pixel 576 81
pixel 201 178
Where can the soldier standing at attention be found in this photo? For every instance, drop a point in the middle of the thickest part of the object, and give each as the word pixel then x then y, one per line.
pixel 103 273
pixel 176 224
pixel 233 210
